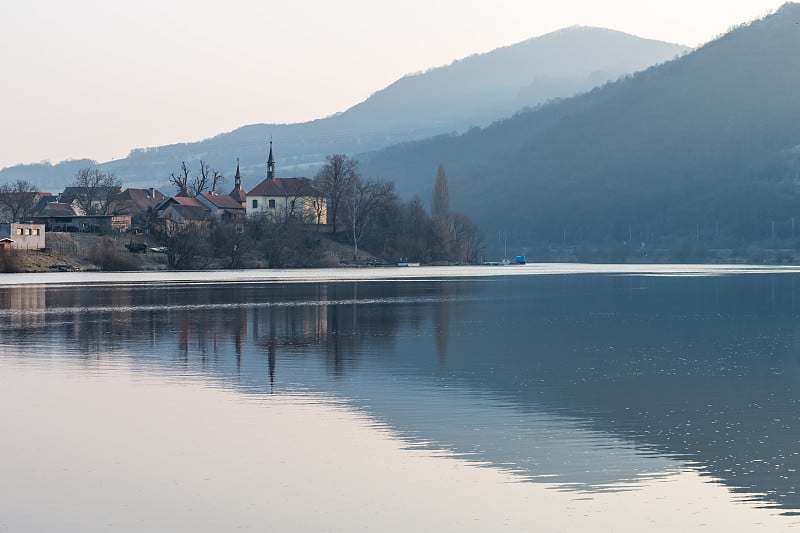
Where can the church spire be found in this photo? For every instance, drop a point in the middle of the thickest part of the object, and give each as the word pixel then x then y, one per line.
pixel 238 178
pixel 238 193
pixel 270 163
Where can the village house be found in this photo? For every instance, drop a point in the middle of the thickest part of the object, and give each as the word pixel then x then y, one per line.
pixel 178 211
pixel 140 204
pixel 22 236
pixel 102 200
pixel 230 208
pixel 140 200
pixel 281 197
pixel 177 216
pixel 61 217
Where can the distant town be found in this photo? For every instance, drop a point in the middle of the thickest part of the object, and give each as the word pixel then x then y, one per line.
pixel 336 218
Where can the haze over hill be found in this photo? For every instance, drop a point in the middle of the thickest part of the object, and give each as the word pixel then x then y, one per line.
pixel 470 92
pixel 703 151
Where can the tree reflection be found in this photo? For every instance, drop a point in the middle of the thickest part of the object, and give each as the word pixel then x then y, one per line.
pixel 702 369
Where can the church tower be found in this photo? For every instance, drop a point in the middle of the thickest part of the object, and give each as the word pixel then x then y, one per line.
pixel 238 192
pixel 270 163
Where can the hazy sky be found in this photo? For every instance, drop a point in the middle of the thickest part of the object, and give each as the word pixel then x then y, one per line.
pixel 95 78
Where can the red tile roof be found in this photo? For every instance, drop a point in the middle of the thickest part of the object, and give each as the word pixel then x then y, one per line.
pixel 142 198
pixel 238 195
pixel 185 200
pixel 221 201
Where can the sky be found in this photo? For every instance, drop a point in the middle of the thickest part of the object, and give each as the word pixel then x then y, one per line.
pixel 96 78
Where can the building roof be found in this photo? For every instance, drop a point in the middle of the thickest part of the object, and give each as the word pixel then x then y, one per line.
pixel 102 193
pixel 57 209
pixel 294 187
pixel 221 201
pixel 142 199
pixel 181 200
pixel 238 195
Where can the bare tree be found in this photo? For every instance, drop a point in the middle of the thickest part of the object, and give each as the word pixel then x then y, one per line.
pixel 468 243
pixel 207 179
pixel 333 180
pixel 229 241
pixel 181 180
pixel 200 181
pixel 416 233
pixel 17 200
pixel 362 201
pixel 318 208
pixel 187 245
pixel 97 192
pixel 216 180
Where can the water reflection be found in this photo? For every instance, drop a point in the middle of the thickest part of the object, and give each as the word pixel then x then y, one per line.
pixel 593 382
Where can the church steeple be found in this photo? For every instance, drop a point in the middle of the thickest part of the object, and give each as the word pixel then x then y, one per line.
pixel 238 193
pixel 238 179
pixel 270 163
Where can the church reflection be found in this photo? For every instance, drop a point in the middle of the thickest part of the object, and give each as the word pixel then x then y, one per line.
pixel 705 371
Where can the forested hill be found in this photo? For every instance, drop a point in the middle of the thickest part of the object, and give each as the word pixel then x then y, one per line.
pixel 703 150
pixel 473 91
pixel 482 88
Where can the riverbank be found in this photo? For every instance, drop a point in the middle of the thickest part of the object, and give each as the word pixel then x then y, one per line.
pixel 90 252
pixel 77 252
pixel 87 252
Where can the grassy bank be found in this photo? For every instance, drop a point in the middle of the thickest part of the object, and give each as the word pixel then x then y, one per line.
pixel 90 252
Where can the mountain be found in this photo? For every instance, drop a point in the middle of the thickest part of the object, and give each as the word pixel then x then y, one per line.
pixel 470 92
pixel 702 151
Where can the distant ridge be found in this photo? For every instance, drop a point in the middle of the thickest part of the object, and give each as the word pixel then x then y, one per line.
pixel 703 151
pixel 473 91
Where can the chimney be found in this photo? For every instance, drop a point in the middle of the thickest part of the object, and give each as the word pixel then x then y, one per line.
pixel 152 192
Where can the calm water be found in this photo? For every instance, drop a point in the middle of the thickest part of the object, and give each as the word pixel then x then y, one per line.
pixel 578 401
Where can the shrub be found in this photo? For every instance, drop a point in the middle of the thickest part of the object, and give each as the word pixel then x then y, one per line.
pixel 10 261
pixel 108 256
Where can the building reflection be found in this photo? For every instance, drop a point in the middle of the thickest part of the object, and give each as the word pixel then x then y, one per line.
pixel 22 305
pixel 203 325
pixel 701 370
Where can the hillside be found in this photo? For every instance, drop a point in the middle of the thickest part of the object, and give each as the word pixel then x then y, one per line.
pixel 703 151
pixel 471 92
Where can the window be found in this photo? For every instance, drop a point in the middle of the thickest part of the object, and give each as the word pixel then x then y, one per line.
pixel 19 231
pixel 27 231
pixel 36 231
pixel 272 204
pixel 255 204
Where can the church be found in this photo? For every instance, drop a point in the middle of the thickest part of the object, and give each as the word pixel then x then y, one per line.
pixel 281 197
